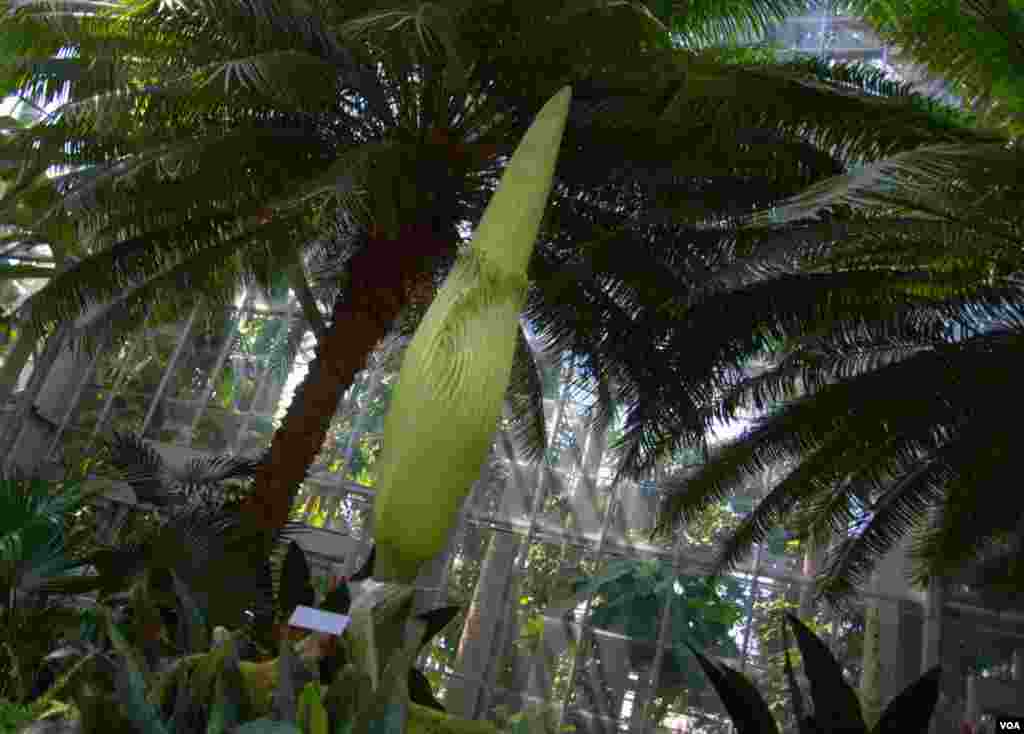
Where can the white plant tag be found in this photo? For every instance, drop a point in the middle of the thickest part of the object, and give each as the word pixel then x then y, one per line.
pixel 318 620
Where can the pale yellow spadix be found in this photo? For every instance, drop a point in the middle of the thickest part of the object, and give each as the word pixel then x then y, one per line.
pixel 456 369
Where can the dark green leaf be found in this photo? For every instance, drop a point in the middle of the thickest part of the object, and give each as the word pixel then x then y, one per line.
pixel 292 676
pixel 185 706
pixel 420 691
pixel 296 585
pixel 131 685
pixel 230 705
pixel 436 620
pixel 193 634
pixel 366 571
pixel 804 724
pixel 347 692
pixel 836 706
pixel 338 600
pixel 746 708
pixel 911 711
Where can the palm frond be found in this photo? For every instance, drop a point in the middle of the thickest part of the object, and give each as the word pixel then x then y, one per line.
pixel 705 24
pixel 916 180
pixel 896 513
pixel 733 328
pixel 975 46
pixel 525 402
pixel 904 441
pixel 152 481
pixel 975 512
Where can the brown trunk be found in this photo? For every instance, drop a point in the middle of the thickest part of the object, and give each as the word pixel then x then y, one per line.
pixel 382 274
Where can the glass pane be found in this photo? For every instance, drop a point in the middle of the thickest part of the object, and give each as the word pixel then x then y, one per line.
pixel 257 434
pixel 540 649
pixel 638 511
pixel 76 453
pixel 216 430
pixel 198 358
pixel 467 647
pixel 129 413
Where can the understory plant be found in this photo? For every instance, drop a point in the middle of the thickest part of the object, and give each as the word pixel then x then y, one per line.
pixel 13 715
pixel 629 597
pixel 835 707
pixel 35 548
pixel 316 683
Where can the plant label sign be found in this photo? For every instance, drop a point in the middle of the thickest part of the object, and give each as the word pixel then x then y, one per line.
pixel 318 620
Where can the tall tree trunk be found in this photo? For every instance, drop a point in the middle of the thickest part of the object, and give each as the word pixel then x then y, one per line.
pixel 381 276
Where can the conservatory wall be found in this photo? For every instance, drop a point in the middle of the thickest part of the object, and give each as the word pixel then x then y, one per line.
pixel 573 615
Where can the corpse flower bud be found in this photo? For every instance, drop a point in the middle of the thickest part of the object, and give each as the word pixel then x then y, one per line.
pixel 457 367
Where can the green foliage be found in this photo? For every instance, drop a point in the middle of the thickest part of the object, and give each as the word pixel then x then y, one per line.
pixel 212 689
pixel 169 206
pixel 192 558
pixel 779 655
pixel 849 417
pixel 629 597
pixel 534 719
pixel 36 548
pixel 976 46
pixel 836 708
pixel 13 716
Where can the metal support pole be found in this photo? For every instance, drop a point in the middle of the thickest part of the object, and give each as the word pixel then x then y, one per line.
pixel 77 395
pixel 260 387
pixel 108 404
pixel 490 676
pixel 754 589
pixel 162 387
pixel 42 363
pixel 613 501
pixel 665 623
pixel 211 381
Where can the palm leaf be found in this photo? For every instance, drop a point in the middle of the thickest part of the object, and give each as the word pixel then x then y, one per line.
pixel 913 179
pixel 525 401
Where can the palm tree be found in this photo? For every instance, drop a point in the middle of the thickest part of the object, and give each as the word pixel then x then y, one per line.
pixel 204 144
pixel 896 347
